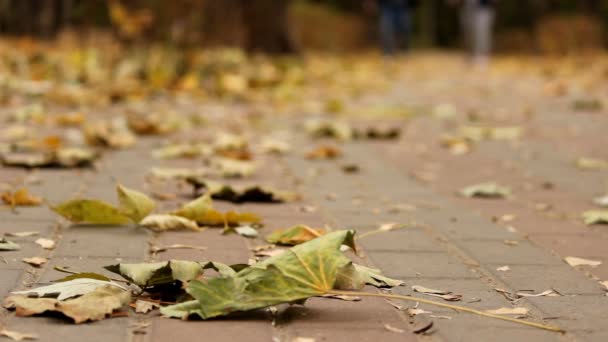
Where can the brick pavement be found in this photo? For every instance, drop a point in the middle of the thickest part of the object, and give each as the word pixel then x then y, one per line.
pixel 452 243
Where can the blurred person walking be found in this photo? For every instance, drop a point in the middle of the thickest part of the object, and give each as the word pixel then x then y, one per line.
pixel 477 20
pixel 394 23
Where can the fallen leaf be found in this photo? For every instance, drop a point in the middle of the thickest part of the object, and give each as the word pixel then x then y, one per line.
pixel 91 211
pixel 230 168
pixel 17 336
pixel 503 268
pixel 274 146
pixel 35 261
pixel 355 276
pixel 146 275
pixel 69 289
pixel 134 204
pixel 201 211
pixel 45 243
pixel 246 231
pixel 575 261
pixel 306 270
pixel 393 329
pixel 595 217
pixel 161 223
pixel 422 328
pixel 324 128
pixel 509 311
pixel 584 163
pixel 182 151
pixel 21 197
pixel 178 173
pixel 144 306
pixel 601 201
pixel 547 293
pixel 486 190
pixel 242 194
pixel 324 152
pixel 6 245
pixel 414 312
pixel 92 306
pixel 109 133
pixel 445 295
pixel 22 234
pixel 158 249
pixel 294 235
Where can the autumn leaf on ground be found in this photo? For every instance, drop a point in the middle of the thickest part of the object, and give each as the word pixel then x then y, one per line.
pixel 324 152
pixel 588 105
pixel 201 211
pixel 601 201
pixel 479 133
pixel 35 261
pixel 509 311
pixel 307 270
pixel 274 146
pixel 230 168
pixel 91 306
pixel 133 207
pixel 91 211
pixel 21 197
pixel 134 204
pixel 157 123
pixel 242 194
pixel 378 133
pixel 325 128
pixel 161 223
pixel 294 235
pixel 178 173
pixel 354 276
pixel 585 163
pixel 69 119
pixel 456 145
pixel 17 336
pixel 109 133
pixel 182 151
pixel 576 261
pixel 159 273
pixel 45 243
pixel 68 289
pixel 486 190
pixel 595 217
pixel 6 245
pixel 446 295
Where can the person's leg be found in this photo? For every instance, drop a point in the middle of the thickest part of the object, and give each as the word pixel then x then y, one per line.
pixel 484 19
pixel 402 27
pixel 387 30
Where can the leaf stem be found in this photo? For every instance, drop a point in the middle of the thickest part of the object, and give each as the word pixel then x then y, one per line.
pixel 449 306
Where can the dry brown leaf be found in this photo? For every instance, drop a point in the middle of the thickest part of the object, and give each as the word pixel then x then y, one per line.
pixel 17 336
pixel 144 306
pixel 22 234
pixel 92 306
pixel 161 223
pixel 393 329
pixel 21 197
pixel 445 295
pixel 575 261
pixel 35 261
pixel 324 152
pixel 509 311
pixel 45 243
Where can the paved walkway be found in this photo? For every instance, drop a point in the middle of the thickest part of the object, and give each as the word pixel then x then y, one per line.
pixel 453 243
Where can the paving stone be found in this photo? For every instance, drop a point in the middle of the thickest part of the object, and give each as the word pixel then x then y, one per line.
pixel 562 278
pixel 499 252
pixel 99 241
pixel 420 264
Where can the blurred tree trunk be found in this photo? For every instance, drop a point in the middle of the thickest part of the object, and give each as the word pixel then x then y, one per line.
pixel 266 26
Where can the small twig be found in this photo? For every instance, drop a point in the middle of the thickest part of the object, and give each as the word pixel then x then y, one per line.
pixel 449 306
pixel 64 270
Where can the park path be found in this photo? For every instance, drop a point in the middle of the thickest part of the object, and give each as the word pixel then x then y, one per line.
pixel 451 243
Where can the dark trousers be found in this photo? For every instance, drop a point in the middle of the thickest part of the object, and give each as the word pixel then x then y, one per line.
pixel 394 28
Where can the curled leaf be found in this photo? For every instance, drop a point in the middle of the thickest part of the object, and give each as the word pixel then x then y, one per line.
pixel 134 204
pixel 160 223
pixel 294 235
